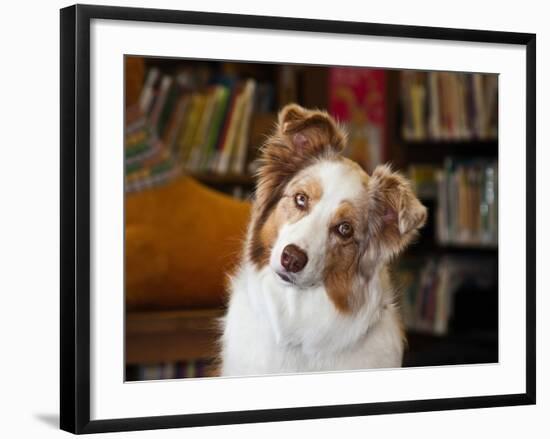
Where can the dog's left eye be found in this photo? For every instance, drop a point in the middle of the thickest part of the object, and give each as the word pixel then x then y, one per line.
pixel 301 200
pixel 345 229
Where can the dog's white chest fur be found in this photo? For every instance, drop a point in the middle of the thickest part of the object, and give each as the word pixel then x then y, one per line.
pixel 271 328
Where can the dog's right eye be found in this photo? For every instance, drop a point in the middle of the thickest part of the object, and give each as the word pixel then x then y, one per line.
pixel 345 229
pixel 301 201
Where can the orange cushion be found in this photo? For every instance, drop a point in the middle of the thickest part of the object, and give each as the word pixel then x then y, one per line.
pixel 182 240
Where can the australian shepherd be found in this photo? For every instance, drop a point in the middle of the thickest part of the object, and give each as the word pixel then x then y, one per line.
pixel 313 291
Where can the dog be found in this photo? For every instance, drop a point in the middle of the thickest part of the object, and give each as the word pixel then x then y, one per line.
pixel 313 292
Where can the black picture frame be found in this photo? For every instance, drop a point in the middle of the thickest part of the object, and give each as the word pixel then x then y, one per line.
pixel 75 217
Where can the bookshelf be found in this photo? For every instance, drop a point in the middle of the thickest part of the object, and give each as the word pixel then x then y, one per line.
pixel 470 334
pixel 406 153
pixel 232 140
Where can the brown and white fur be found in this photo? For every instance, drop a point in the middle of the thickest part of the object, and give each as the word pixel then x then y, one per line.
pixel 313 291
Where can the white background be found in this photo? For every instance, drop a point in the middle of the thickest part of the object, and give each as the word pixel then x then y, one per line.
pixel 111 398
pixel 29 218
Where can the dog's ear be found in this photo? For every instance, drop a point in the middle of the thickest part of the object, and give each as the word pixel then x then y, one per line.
pixel 310 131
pixel 394 213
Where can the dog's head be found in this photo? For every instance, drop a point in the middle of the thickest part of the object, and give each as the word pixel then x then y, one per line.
pixel 319 219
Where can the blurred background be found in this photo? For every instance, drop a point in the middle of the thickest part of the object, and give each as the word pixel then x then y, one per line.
pixel 192 133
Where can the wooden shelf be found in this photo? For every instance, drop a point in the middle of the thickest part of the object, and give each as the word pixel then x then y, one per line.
pixel 468 246
pixel 424 247
pixel 154 337
pixel 436 152
pixel 461 143
pixel 224 179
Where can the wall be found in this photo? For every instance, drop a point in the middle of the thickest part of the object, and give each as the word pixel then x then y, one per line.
pixel 29 221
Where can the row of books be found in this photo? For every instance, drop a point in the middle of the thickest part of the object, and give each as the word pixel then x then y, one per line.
pixel 467 199
pixel 467 207
pixel 449 106
pixel 185 123
pixel 430 288
pixel 167 371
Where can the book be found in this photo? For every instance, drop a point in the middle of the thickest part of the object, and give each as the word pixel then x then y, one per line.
pixel 218 115
pixel 357 100
pixel 229 139
pixel 198 142
pixel 158 106
pixel 219 163
pixel 190 126
pixel 167 110
pixel 175 122
pixel 147 93
pixel 242 136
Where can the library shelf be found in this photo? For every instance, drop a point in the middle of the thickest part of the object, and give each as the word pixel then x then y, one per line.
pixel 437 151
pixel 224 179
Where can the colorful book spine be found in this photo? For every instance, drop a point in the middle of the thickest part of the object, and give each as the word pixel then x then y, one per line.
pixel 238 165
pixel 213 134
pixel 467 212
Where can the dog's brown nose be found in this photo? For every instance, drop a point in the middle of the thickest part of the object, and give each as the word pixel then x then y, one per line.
pixel 293 258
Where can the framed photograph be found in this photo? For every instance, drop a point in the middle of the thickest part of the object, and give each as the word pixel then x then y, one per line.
pixel 268 218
